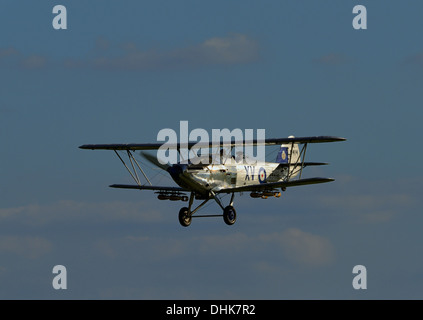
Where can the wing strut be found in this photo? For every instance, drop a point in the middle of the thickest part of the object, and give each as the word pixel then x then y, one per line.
pixel 302 163
pixel 297 162
pixel 289 162
pixel 133 173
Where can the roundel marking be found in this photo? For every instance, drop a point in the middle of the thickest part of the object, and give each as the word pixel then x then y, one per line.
pixel 262 175
pixel 283 155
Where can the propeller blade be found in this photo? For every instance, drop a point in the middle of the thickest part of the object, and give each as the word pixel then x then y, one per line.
pixel 154 160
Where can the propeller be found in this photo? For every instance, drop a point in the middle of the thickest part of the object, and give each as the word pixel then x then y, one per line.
pixel 154 160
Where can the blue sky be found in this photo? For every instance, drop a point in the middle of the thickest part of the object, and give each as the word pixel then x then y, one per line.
pixel 122 72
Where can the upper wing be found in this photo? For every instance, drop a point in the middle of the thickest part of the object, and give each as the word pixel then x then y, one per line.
pixel 135 186
pixel 279 184
pixel 210 144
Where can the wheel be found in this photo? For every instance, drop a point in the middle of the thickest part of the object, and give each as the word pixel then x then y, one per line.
pixel 184 217
pixel 229 215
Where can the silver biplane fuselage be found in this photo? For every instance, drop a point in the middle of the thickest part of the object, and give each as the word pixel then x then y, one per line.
pixel 218 177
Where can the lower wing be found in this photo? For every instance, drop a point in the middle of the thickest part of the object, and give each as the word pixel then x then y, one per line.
pixel 158 188
pixel 254 187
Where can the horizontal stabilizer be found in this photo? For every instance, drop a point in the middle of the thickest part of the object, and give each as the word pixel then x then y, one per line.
pixel 309 164
pixel 306 164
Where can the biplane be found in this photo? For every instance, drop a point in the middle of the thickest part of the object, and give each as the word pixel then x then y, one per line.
pixel 207 180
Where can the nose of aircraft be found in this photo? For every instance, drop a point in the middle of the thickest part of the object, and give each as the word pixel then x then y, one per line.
pixel 177 169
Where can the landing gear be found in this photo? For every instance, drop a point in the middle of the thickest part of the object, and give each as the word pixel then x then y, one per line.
pixel 229 215
pixel 184 217
pixel 186 214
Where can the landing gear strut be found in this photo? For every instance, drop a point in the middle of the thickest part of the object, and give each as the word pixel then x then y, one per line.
pixel 186 214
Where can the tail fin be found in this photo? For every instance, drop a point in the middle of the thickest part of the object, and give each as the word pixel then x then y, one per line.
pixel 286 155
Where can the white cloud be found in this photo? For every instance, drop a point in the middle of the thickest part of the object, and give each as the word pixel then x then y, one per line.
pixel 304 248
pixel 236 48
pixel 8 52
pixel 68 210
pixel 154 249
pixel 15 57
pixel 34 62
pixel 297 246
pixel 232 49
pixel 25 246
pixel 368 208
pixel 361 201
